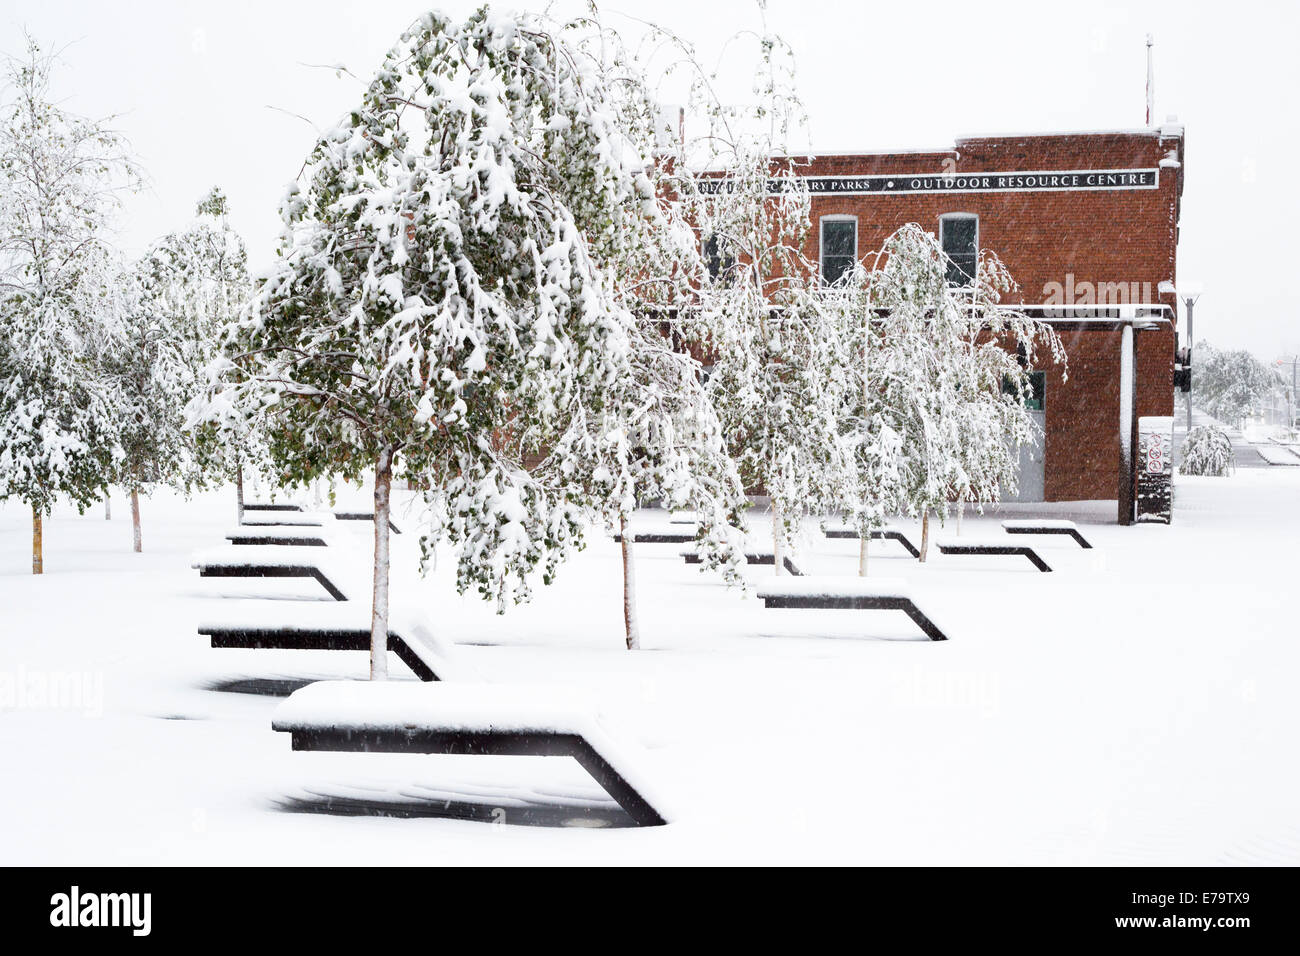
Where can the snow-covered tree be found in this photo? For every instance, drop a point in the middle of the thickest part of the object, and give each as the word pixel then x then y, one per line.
pixel 875 467
pixel 655 435
pixel 955 374
pixel 438 308
pixel 1207 451
pixel 777 365
pixel 196 280
pixel 61 176
pixel 1231 385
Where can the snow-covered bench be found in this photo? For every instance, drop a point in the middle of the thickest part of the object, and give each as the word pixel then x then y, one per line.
pixel 301 536
pixel 1045 526
pixel 270 507
pixel 879 534
pixel 410 637
pixel 751 557
pixel 668 534
pixel 468 718
pixel 967 546
pixel 263 561
pixel 364 516
pixel 289 519
pixel 848 593
pixel 296 516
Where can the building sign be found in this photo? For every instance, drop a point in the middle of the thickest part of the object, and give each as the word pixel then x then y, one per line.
pixel 1155 468
pixel 1084 180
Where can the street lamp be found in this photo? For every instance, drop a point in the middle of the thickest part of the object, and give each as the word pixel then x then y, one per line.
pixel 1189 293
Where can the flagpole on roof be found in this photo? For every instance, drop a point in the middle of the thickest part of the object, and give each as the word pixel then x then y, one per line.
pixel 1151 83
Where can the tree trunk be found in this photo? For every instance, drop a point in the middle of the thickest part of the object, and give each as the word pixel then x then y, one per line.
pixel 778 538
pixel 863 540
pixel 961 510
pixel 925 535
pixel 379 608
pixel 38 544
pixel 108 506
pixel 630 628
pixel 239 490
pixel 135 520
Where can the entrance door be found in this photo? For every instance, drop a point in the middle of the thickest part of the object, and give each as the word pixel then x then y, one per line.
pixel 1032 457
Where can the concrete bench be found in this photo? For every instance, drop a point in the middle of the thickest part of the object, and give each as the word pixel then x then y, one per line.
pixel 409 637
pixel 273 562
pixel 879 534
pixel 848 593
pixel 751 557
pixel 467 718
pixel 1045 526
pixel 959 546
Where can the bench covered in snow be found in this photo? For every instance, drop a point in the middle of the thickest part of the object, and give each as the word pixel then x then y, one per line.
pixel 1045 526
pixel 468 718
pixel 848 593
pixel 879 534
pixel 297 516
pixel 306 537
pixel 290 519
pixel 751 557
pixel 364 516
pixel 410 637
pixel 966 546
pixel 263 561
pixel 668 534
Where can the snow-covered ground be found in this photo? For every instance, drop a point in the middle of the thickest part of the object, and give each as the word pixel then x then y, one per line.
pixel 1137 706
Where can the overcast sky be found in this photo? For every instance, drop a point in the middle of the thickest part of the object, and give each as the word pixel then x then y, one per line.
pixel 194 83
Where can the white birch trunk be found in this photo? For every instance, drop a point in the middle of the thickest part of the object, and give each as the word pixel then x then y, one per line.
pixel 925 535
pixel 108 506
pixel 379 607
pixel 778 539
pixel 38 542
pixel 862 554
pixel 630 627
pixel 961 510
pixel 135 521
pixel 239 491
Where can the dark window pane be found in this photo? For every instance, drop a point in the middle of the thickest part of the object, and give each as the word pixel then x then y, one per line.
pixel 716 258
pixel 1035 392
pixel 959 246
pixel 839 237
pixel 838 247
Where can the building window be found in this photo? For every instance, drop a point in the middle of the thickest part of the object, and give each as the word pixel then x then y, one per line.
pixel 839 247
pixel 717 258
pixel 959 234
pixel 1035 392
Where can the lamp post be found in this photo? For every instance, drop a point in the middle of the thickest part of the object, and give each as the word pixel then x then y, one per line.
pixel 1189 302
pixel 1291 397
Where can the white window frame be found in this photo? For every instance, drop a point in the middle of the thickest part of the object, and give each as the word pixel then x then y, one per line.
pixel 943 219
pixel 821 237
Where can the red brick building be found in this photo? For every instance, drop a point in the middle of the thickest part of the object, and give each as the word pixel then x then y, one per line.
pixel 1087 223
